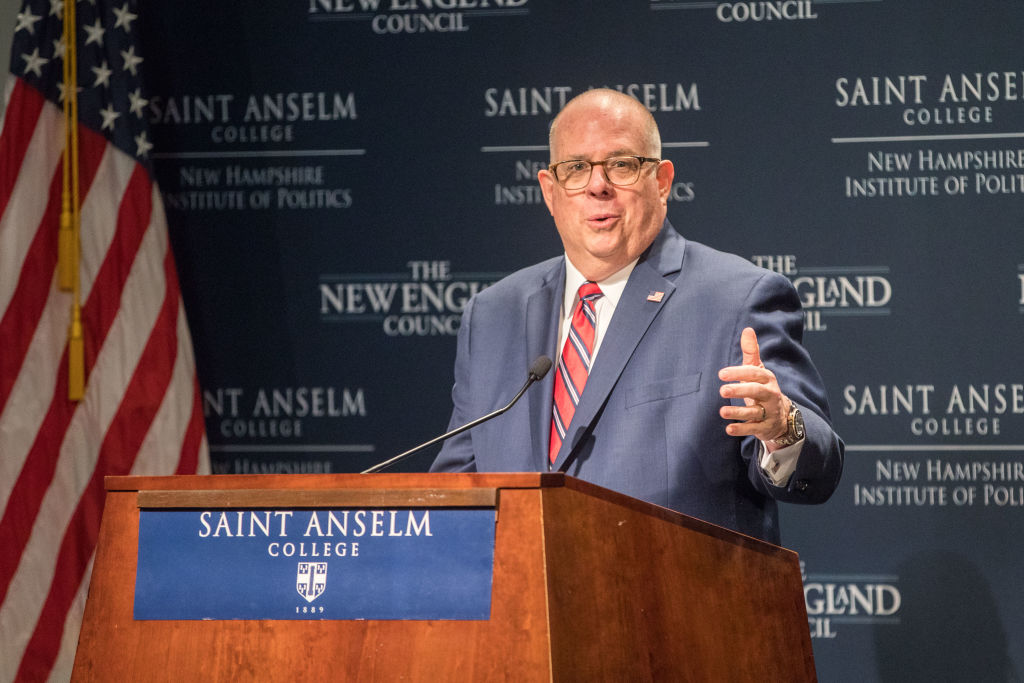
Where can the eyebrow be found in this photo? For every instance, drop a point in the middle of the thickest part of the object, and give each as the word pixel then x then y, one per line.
pixel 614 153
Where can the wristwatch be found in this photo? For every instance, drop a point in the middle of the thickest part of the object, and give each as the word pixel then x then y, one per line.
pixel 795 430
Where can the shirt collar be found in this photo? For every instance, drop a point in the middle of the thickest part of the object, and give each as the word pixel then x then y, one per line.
pixel 611 287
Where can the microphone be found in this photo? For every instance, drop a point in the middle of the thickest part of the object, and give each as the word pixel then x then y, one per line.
pixel 537 370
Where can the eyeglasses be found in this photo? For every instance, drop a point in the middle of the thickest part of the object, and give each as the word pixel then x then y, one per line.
pixel 620 171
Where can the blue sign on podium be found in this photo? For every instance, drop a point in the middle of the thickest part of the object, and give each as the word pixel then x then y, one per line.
pixel 425 563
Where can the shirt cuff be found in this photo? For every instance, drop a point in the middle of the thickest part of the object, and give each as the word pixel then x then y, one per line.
pixel 779 465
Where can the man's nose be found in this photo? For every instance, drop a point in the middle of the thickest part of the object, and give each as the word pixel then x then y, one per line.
pixel 599 183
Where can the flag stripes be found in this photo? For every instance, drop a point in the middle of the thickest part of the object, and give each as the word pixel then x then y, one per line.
pixel 141 413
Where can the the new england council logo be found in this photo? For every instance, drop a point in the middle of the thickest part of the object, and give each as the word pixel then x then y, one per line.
pixel 311 580
pixel 427 300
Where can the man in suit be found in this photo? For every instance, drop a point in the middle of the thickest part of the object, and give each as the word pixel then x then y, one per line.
pixel 681 379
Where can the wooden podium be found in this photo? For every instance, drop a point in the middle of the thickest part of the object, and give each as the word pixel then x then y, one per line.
pixel 588 584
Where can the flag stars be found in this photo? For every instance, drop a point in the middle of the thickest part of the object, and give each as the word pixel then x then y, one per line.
pixel 112 103
pixel 131 60
pixel 34 63
pixel 124 18
pixel 103 73
pixel 138 102
pixel 109 116
pixel 142 145
pixel 95 33
pixel 27 21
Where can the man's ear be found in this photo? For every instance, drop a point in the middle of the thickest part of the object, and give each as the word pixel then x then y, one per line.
pixel 666 172
pixel 548 187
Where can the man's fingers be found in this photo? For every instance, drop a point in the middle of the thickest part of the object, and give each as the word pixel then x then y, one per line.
pixel 745 373
pixel 751 391
pixel 754 412
pixel 749 347
pixel 756 386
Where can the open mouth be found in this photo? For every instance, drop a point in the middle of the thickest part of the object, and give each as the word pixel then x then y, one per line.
pixel 601 219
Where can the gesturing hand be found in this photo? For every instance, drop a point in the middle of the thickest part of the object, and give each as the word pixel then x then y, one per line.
pixel 765 411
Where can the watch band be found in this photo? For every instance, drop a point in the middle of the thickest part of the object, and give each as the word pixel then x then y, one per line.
pixel 795 427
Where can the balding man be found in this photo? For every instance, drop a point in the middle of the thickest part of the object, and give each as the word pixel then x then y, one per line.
pixel 680 377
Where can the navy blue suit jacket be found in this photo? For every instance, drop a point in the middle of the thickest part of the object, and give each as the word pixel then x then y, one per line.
pixel 647 423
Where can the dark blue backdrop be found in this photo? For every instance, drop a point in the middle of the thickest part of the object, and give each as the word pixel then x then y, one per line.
pixel 341 174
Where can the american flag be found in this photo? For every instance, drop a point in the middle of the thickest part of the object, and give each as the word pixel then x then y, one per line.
pixel 141 412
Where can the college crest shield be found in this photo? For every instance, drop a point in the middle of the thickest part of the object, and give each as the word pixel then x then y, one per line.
pixel 311 580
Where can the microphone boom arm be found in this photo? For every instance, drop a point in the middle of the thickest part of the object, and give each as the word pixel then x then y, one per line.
pixel 537 371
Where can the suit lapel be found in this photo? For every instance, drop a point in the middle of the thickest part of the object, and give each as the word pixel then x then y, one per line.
pixel 542 310
pixel 633 316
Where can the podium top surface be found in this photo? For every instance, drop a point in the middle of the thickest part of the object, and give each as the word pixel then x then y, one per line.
pixel 338 481
pixel 464 489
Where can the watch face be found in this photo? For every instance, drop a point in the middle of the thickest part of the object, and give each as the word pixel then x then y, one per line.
pixel 795 431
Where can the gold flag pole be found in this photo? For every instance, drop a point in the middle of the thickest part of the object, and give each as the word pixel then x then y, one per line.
pixel 72 251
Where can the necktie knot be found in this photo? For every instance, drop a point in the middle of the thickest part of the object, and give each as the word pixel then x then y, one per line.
pixel 589 291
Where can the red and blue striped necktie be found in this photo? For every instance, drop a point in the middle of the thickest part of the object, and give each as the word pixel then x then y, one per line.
pixel 573 365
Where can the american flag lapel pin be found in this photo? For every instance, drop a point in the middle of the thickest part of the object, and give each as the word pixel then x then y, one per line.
pixel 656 297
